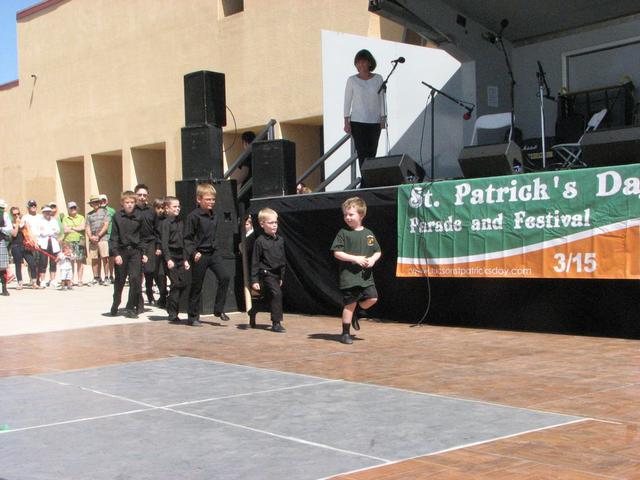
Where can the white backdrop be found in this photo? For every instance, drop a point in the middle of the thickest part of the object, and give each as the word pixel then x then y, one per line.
pixel 406 100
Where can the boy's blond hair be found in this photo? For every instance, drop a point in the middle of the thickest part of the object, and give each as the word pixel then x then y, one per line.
pixel 205 189
pixel 357 203
pixel 266 213
pixel 127 194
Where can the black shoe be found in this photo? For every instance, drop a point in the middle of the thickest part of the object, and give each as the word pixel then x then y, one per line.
pixel 277 327
pixel 355 321
pixel 346 339
pixel 130 314
pixel 5 293
pixel 113 312
pixel 194 323
pixel 175 321
pixel 252 320
pixel 222 316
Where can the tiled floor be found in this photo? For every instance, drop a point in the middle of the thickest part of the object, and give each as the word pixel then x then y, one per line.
pixel 588 377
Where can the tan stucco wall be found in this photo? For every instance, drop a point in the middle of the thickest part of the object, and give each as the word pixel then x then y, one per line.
pixel 109 78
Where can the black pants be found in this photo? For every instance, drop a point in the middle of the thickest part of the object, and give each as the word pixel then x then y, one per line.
pixel 178 284
pixel 215 263
pixel 272 294
pixel 42 266
pixel 365 137
pixel 149 269
pixel 161 276
pixel 19 253
pixel 131 266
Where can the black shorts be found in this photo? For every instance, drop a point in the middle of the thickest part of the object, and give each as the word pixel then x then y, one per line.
pixel 358 294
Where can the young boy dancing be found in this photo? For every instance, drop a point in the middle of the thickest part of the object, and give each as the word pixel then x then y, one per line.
pixel 127 248
pixel 200 246
pixel 358 251
pixel 172 246
pixel 267 268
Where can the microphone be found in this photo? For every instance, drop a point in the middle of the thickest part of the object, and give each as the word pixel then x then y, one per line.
pixel 490 37
pixel 468 113
pixel 398 60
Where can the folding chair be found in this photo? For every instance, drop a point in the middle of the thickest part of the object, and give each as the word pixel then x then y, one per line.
pixel 492 121
pixel 570 154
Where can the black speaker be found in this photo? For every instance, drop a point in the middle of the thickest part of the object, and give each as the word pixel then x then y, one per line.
pixel 204 98
pixel 619 146
pixel 273 168
pixel 490 160
pixel 202 152
pixel 391 170
pixel 227 239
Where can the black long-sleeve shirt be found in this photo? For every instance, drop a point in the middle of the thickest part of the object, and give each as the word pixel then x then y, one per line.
pixel 160 219
pixel 200 232
pixel 125 232
pixel 172 239
pixel 268 254
pixel 148 218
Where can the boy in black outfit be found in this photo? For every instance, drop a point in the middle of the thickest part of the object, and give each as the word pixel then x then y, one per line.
pixel 267 268
pixel 148 240
pixel 200 246
pixel 172 245
pixel 357 249
pixel 127 248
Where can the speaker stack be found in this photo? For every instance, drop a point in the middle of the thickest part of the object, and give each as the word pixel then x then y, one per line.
pixel 616 146
pixel 202 162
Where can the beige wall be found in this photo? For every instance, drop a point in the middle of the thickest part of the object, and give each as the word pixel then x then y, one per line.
pixel 109 78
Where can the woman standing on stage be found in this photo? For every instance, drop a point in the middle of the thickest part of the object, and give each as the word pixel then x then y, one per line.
pixel 364 106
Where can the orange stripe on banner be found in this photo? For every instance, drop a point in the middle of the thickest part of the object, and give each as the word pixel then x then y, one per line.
pixel 614 255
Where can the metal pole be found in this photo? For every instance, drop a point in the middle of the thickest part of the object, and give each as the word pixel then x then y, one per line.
pixel 433 138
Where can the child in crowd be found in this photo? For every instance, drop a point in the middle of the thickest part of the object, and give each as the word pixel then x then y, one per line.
pixel 357 249
pixel 126 246
pixel 267 268
pixel 172 246
pixel 200 245
pixel 65 266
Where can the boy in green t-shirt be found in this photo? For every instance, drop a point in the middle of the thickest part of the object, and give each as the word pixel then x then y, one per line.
pixel 358 251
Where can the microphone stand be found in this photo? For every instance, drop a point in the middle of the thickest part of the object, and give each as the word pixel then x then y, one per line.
pixel 432 94
pixel 383 88
pixel 513 82
pixel 542 88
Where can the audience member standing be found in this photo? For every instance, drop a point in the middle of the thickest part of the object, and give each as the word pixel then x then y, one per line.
pixel 5 235
pixel 18 250
pixel 48 242
pixel 97 228
pixel 74 227
pixel 109 272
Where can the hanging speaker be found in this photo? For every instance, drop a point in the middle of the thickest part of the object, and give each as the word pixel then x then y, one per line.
pixel 273 168
pixel 204 98
pixel 490 160
pixel 390 170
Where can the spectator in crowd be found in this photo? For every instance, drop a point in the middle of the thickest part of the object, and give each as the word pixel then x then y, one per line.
pixel 96 230
pixel 5 235
pixel 110 271
pixel 48 242
pixel 74 227
pixel 18 250
pixel 65 266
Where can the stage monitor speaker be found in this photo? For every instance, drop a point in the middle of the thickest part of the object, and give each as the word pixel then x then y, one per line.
pixel 204 98
pixel 619 146
pixel 202 152
pixel 490 160
pixel 391 170
pixel 273 168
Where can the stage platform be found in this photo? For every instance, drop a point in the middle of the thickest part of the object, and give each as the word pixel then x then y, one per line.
pixel 310 222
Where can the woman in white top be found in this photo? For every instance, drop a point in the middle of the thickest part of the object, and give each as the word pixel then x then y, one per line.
pixel 364 114
pixel 47 237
